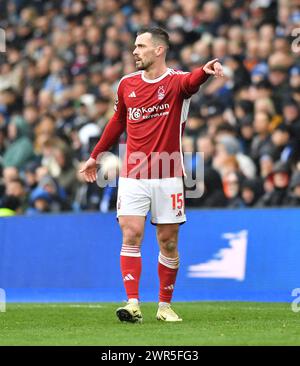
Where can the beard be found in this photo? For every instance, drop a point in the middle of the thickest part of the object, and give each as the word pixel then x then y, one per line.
pixel 143 65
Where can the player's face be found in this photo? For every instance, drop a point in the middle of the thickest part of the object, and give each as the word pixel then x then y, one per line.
pixel 144 52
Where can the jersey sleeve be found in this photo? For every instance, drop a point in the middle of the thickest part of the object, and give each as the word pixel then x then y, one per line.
pixel 115 127
pixel 190 82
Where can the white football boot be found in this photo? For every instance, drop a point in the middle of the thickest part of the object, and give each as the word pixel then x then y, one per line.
pixel 167 314
pixel 130 313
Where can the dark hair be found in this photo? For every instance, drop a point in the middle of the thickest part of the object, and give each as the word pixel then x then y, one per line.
pixel 10 202
pixel 226 127
pixel 157 33
pixel 246 106
pixel 18 180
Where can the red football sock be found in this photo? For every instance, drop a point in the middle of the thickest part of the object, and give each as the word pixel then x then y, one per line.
pixel 167 272
pixel 131 267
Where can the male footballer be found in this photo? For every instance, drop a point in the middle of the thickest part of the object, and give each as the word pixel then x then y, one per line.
pixel 152 106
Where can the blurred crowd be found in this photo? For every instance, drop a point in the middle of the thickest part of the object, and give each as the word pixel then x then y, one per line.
pixel 58 79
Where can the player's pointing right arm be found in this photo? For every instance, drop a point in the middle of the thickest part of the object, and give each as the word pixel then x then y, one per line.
pixel 191 81
pixel 113 130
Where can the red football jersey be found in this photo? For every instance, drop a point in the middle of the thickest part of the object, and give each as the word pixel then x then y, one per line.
pixel 154 113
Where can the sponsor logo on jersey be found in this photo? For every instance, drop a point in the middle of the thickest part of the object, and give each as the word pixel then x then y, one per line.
pixel 132 95
pixel 134 114
pixel 161 92
pixel 229 262
pixel 116 105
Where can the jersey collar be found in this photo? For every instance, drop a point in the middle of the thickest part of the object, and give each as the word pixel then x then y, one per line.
pixel 157 79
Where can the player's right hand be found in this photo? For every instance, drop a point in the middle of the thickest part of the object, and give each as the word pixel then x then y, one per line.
pixel 89 170
pixel 214 67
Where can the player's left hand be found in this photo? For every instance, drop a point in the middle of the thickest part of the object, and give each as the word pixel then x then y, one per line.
pixel 213 67
pixel 89 170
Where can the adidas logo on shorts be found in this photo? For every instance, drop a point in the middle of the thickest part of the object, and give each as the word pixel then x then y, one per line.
pixel 179 213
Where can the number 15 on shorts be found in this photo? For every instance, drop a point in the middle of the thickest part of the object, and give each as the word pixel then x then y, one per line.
pixel 177 201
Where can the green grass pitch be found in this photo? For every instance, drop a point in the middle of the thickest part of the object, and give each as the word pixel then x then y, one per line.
pixel 204 323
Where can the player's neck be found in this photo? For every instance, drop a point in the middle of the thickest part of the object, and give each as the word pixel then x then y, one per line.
pixel 155 72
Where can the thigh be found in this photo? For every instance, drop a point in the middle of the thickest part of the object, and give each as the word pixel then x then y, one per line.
pixel 133 198
pixel 167 203
pixel 132 229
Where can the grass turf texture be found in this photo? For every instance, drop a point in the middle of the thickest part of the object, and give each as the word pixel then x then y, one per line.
pixel 204 323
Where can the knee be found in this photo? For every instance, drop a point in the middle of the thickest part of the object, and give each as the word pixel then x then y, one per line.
pixel 132 235
pixel 168 242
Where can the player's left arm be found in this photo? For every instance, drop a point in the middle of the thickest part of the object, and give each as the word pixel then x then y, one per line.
pixel 190 82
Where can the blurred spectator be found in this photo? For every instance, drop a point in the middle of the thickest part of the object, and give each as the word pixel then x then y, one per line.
pixel 212 189
pixel 20 149
pixel 266 164
pixel 232 182
pixel 64 60
pixel 246 133
pixel 280 177
pixel 9 206
pixel 283 148
pixel 10 173
pixel 205 145
pixel 195 126
pixel 48 196
pixel 261 143
pixel 229 146
pixel 30 176
pixel 110 168
pixel 251 191
pixel 87 196
pixel 291 117
pixel 66 170
pixel 212 112
pixel 16 187
pixel 293 198
pixel 40 202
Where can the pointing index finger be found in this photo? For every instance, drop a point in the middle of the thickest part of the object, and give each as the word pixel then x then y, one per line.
pixel 213 61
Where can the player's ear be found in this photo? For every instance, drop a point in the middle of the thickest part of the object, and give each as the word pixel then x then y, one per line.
pixel 159 50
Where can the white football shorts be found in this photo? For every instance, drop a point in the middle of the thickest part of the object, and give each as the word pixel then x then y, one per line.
pixel 163 197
